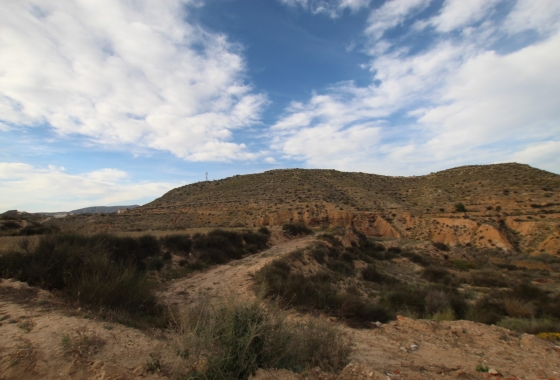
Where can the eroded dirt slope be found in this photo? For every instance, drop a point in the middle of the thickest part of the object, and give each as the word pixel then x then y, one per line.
pixel 40 339
pixel 508 206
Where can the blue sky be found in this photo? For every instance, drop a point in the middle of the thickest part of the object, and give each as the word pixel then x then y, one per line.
pixel 116 102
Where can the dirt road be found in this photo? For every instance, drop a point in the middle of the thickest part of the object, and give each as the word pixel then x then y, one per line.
pixel 235 276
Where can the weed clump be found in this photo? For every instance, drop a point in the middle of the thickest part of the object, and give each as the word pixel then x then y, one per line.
pixel 235 338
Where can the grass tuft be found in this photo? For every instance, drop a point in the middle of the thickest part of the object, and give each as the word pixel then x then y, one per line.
pixel 234 337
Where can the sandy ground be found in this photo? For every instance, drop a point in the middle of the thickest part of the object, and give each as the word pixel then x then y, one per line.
pixel 236 276
pixel 40 338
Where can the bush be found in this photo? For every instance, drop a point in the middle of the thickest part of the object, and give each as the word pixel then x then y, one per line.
pixel 238 337
pixel 9 225
pixel 331 239
pixel 406 298
pixel 295 229
pixel 530 326
pixel 180 244
pixel 263 230
pixel 97 270
pixel 37 230
pixel 220 246
pixel 438 275
pixel 488 278
pixel 440 246
pixel 371 274
pixel 459 207
pixel 416 258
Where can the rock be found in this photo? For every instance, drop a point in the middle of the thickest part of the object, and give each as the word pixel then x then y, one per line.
pixel 139 371
pixel 377 324
pixel 413 347
pixel 403 349
pixel 494 372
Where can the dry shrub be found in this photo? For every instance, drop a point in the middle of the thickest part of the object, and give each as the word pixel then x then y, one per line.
pixel 231 338
pixel 518 308
pixel 445 315
pixel 530 326
pixel 82 342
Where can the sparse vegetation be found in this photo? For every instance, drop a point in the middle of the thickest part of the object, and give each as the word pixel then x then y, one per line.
pixel 375 292
pixel 296 229
pixel 459 207
pixel 235 337
pixel 81 342
pixel 100 271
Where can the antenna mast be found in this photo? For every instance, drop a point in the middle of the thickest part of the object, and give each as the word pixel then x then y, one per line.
pixel 206 176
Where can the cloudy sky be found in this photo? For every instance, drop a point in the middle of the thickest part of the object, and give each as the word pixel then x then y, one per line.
pixel 113 102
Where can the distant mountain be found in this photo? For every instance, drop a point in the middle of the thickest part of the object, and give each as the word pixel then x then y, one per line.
pixel 103 209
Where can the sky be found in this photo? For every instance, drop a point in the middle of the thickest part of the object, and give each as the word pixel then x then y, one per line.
pixel 115 102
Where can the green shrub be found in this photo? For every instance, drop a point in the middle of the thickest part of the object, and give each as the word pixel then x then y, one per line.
pixel 463 265
pixel 331 239
pixel 89 269
pixel 438 275
pixel 220 246
pixel 440 246
pixel 9 225
pixel 459 207
pixel 238 337
pixel 416 258
pixel 370 273
pixel 180 244
pixel 264 231
pixel 488 278
pixel 296 229
pixel 40 229
pixel 530 326
pixel 156 263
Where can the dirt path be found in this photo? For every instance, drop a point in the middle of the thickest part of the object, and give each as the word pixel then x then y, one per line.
pixel 235 276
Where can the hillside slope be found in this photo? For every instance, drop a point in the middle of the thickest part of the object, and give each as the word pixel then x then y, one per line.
pixel 508 206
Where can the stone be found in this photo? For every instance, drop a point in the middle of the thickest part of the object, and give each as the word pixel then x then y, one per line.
pixel 139 371
pixel 413 347
pixel 493 372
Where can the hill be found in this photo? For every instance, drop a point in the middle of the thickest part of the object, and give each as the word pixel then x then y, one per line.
pixel 511 206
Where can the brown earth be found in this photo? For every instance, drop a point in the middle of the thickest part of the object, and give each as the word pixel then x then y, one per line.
pixel 509 206
pixel 42 337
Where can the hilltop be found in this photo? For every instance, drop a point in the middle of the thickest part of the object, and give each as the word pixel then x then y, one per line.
pixel 508 206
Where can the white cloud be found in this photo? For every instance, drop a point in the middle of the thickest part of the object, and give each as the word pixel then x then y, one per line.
pixel 33 189
pixel 540 15
pixel 124 73
pixel 544 155
pixel 333 8
pixel 391 14
pixel 453 103
pixel 492 98
pixel 459 13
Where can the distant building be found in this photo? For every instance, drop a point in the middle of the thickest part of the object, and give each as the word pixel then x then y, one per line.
pixel 122 210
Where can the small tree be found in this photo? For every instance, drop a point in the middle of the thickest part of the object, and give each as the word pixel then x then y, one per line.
pixel 459 207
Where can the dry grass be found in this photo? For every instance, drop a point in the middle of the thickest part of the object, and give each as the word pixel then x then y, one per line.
pixel 81 342
pixel 230 338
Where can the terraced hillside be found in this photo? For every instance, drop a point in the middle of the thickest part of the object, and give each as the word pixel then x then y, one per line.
pixel 508 206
